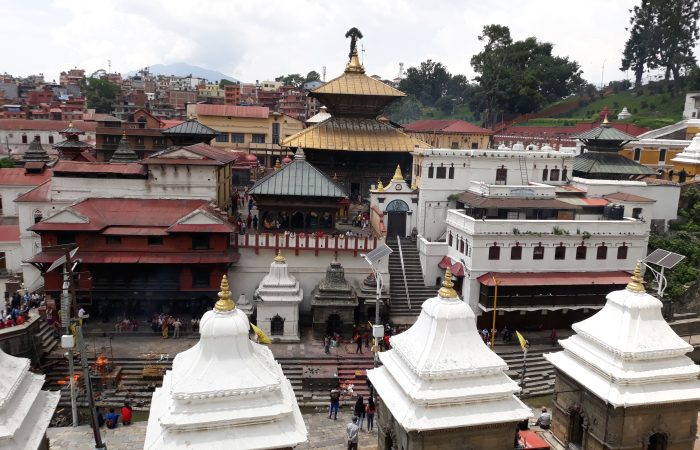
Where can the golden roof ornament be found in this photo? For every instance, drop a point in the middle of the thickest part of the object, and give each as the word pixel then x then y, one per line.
pixel 354 64
pixel 380 186
pixel 279 258
pixel 398 176
pixel 413 185
pixel 605 121
pixel 447 289
pixel 225 303
pixel 636 283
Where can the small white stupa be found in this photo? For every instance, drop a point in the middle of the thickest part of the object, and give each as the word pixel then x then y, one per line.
pixel 25 410
pixel 278 297
pixel 624 114
pixel 439 374
pixel 691 154
pixel 226 392
pixel 627 355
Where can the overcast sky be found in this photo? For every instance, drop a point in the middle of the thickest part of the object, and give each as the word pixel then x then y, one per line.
pixel 256 40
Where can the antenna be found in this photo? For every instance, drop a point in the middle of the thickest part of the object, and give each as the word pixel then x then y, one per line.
pixel 324 74
pixel 400 70
pixel 363 55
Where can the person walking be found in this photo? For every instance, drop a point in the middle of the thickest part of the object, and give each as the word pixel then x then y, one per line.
pixel 126 414
pixel 164 328
pixel 358 339
pixel 370 410
pixel 335 404
pixel 255 222
pixel 176 328
pixel 352 431
pixel 360 411
pixel 327 344
pixel 249 221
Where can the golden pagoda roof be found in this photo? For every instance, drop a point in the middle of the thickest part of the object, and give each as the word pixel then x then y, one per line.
pixel 357 83
pixel 354 134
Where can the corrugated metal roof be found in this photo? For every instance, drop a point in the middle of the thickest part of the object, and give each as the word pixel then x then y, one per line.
pixel 625 197
pixel 354 83
pixel 212 155
pixel 354 134
pixel 44 125
pixel 18 177
pixel 257 112
pixel 477 201
pixel 190 127
pixel 608 163
pixel 9 233
pixel 554 278
pixel 583 201
pixel 99 167
pixel 134 231
pixel 446 126
pixel 298 178
pixel 143 258
pixel 605 133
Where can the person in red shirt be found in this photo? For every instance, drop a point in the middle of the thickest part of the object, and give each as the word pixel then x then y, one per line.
pixel 20 319
pixel 9 322
pixel 126 414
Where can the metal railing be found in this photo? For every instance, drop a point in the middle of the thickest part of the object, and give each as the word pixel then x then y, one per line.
pixel 403 271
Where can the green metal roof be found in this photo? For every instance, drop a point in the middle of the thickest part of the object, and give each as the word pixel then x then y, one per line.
pixel 190 127
pixel 605 133
pixel 298 178
pixel 608 163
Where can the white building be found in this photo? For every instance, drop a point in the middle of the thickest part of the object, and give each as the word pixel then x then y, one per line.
pixel 17 134
pixel 226 392
pixel 25 410
pixel 277 300
pixel 691 109
pixel 440 380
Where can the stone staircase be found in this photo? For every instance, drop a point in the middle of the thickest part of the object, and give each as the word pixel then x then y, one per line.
pixel 418 292
pixel 46 338
pixel 136 389
pixel 539 376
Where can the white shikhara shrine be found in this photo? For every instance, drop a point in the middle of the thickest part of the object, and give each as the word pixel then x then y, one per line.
pixel 277 300
pixel 226 392
pixel 439 374
pixel 627 355
pixel 25 410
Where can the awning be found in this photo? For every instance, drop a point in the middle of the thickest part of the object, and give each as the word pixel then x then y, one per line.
pixel 555 278
pixel 143 258
pixel 456 267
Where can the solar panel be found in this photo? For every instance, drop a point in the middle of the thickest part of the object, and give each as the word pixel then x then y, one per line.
pixel 664 258
pixel 378 253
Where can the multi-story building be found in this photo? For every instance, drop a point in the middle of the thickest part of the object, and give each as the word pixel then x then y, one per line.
pixel 73 76
pixel 143 130
pixel 232 94
pixel 455 134
pixel 17 134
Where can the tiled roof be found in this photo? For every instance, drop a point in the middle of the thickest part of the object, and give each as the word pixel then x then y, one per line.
pixel 18 177
pixel 354 83
pixel 625 197
pixel 190 127
pixel 354 134
pixel 446 126
pixel 38 194
pixel 211 155
pixel 298 178
pixel 477 201
pixel 44 125
pixel 9 233
pixel 64 167
pixel 605 133
pixel 255 112
pixel 555 132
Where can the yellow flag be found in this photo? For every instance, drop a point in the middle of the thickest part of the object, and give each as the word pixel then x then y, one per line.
pixel 521 339
pixel 262 337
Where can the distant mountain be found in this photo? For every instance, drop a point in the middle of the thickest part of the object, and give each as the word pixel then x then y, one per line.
pixel 183 69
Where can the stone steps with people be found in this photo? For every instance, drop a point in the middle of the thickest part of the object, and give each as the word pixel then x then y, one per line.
pixel 405 306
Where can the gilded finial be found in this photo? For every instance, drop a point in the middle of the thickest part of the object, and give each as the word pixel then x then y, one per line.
pixel 636 284
pixel 354 64
pixel 225 303
pixel 414 186
pixel 279 258
pixel 70 124
pixel 447 289
pixel 398 176
pixel 380 186
pixel 278 164
pixel 605 120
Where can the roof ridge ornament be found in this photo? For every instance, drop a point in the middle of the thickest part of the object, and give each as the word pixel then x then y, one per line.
pixel 279 258
pixel 606 123
pixel 447 289
pixel 380 185
pixel 224 304
pixel 354 64
pixel 299 155
pixel 398 176
pixel 636 283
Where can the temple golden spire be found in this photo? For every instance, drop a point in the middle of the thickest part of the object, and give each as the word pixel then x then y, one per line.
pixel 225 303
pixel 398 176
pixel 447 289
pixel 605 120
pixel 279 258
pixel 380 186
pixel 354 65
pixel 636 283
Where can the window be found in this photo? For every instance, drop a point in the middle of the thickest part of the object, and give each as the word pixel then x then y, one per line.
pixel 662 155
pixel 200 278
pixel 554 175
pixel 451 173
pixel 50 139
pixel 275 133
pixel 602 252
pixel 200 241
pixel 222 137
pixel 581 252
pixel 24 138
pixel 449 239
pixel 65 238
pixel 37 138
pixel 113 240
pixel 258 139
pixel 636 213
pixel 501 175
pixel 237 138
pixel 475 145
pixel 560 252
pixel 637 154
pixel 538 252
pixel 38 216
pixel 516 252
pixel 454 146
pixel 494 252
pixel 441 172
pixel 462 244
pixel 430 171
pixel 155 240
pixel 545 174
pixel 622 252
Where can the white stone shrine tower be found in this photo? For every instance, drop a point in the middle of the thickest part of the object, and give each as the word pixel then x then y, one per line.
pixel 277 300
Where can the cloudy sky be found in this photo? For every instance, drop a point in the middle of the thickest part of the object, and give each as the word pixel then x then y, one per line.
pixel 252 40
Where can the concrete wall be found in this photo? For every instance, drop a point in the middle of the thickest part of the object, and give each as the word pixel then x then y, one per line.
pixel 431 253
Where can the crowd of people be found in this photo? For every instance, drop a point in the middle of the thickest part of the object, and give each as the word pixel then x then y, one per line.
pixel 168 325
pixel 16 309
pixel 111 419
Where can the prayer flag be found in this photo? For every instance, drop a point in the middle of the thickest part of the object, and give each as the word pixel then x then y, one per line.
pixel 521 339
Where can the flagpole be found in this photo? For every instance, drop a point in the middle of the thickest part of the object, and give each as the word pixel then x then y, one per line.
pixel 522 372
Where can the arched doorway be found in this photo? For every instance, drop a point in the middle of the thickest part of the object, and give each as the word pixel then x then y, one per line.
pixel 658 441
pixel 396 211
pixel 277 326
pixel 334 325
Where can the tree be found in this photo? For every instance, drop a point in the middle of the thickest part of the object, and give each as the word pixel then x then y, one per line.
pixel 519 76
pixel 640 49
pixel 428 82
pixel 6 163
pixel 100 94
pixel 312 76
pixel 405 110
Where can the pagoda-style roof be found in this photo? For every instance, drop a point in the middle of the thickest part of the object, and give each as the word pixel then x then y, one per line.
pixel 71 130
pixel 124 152
pixel 355 134
pixel 605 133
pixel 300 179
pixel 590 164
pixel 356 83
pixel 35 152
pixel 190 128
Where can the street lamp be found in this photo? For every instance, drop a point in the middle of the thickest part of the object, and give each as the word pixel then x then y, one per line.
pixel 373 258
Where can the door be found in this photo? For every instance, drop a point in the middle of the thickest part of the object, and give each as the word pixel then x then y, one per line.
pixel 397 224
